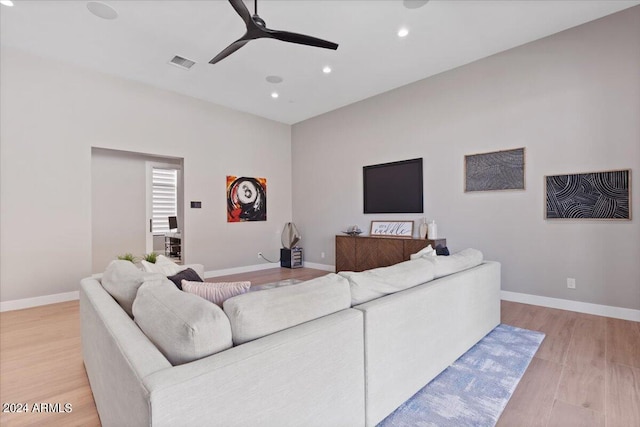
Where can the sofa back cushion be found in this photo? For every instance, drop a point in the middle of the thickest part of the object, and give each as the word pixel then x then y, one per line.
pixel 371 284
pixel 121 280
pixel 256 314
pixel 467 258
pixel 184 327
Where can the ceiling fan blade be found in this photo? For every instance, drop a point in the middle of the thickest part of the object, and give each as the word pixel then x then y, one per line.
pixel 286 36
pixel 241 9
pixel 229 50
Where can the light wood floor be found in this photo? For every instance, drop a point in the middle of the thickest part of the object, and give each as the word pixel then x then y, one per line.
pixel 586 372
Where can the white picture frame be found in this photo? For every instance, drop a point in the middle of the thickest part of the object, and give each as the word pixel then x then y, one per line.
pixel 392 228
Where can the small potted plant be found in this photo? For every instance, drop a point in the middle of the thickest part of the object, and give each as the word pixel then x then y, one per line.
pixel 128 257
pixel 152 257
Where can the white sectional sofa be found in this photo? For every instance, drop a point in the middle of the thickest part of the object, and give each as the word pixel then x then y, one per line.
pixel 312 354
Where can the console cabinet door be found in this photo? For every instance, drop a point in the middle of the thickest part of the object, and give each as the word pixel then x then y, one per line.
pixel 345 253
pixel 390 251
pixel 414 245
pixel 366 253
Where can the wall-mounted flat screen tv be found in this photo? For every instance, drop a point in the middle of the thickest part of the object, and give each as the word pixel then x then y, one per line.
pixel 393 187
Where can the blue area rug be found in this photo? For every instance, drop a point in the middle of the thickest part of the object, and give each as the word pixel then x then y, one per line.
pixel 475 389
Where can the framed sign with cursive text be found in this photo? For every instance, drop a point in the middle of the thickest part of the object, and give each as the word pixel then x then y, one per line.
pixel 392 228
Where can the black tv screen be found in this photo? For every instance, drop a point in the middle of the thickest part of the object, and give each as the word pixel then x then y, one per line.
pixel 393 187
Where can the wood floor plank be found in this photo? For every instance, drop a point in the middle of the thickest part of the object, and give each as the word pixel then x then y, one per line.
pixel 587 347
pixel 582 382
pixel 565 415
pixel 511 313
pixel 623 342
pixel 582 386
pixel 558 325
pixel 532 401
pixel 623 396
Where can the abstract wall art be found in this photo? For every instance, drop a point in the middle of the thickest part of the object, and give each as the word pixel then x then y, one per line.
pixel 594 195
pixel 246 199
pixel 498 170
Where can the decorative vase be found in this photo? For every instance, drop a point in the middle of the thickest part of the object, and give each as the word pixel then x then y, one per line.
pixel 432 230
pixel 423 230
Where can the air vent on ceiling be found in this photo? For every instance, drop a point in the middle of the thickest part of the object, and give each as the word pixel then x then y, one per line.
pixel 181 62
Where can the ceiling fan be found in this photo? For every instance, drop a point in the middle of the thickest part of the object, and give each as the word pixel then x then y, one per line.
pixel 256 28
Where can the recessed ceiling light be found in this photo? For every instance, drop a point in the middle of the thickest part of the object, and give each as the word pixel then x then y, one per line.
pixel 274 79
pixel 403 32
pixel 326 69
pixel 274 95
pixel 102 10
pixel 6 3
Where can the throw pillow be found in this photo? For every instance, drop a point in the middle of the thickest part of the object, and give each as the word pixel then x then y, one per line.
pixel 188 274
pixel 442 250
pixel 217 293
pixel 428 251
pixel 163 265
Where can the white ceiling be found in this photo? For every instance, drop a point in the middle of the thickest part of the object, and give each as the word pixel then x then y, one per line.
pixel 371 58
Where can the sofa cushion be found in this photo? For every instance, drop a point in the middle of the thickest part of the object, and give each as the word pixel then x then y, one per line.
pixel 372 284
pixel 121 280
pixel 163 265
pixel 467 258
pixel 217 293
pixel 184 327
pixel 187 274
pixel 256 314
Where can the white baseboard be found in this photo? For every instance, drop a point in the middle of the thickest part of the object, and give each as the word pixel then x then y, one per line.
pixel 324 267
pixel 19 304
pixel 581 307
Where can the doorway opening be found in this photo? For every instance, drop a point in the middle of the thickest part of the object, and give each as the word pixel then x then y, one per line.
pixel 122 205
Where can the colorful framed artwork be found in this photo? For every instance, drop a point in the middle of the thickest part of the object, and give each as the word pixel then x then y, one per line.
pixel 592 195
pixel 391 228
pixel 246 199
pixel 498 170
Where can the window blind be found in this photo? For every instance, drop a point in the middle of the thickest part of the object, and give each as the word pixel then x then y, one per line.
pixel 164 199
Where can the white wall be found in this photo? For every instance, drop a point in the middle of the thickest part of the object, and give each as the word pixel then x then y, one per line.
pixel 118 206
pixel 572 99
pixel 53 113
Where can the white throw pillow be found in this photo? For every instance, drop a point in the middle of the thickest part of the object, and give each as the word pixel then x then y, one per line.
pixel 428 251
pixel 217 293
pixel 163 266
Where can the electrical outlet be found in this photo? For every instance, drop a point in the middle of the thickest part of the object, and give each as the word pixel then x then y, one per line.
pixel 259 255
pixel 322 255
pixel 571 283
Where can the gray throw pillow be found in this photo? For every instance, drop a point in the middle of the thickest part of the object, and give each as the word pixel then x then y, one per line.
pixel 189 274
